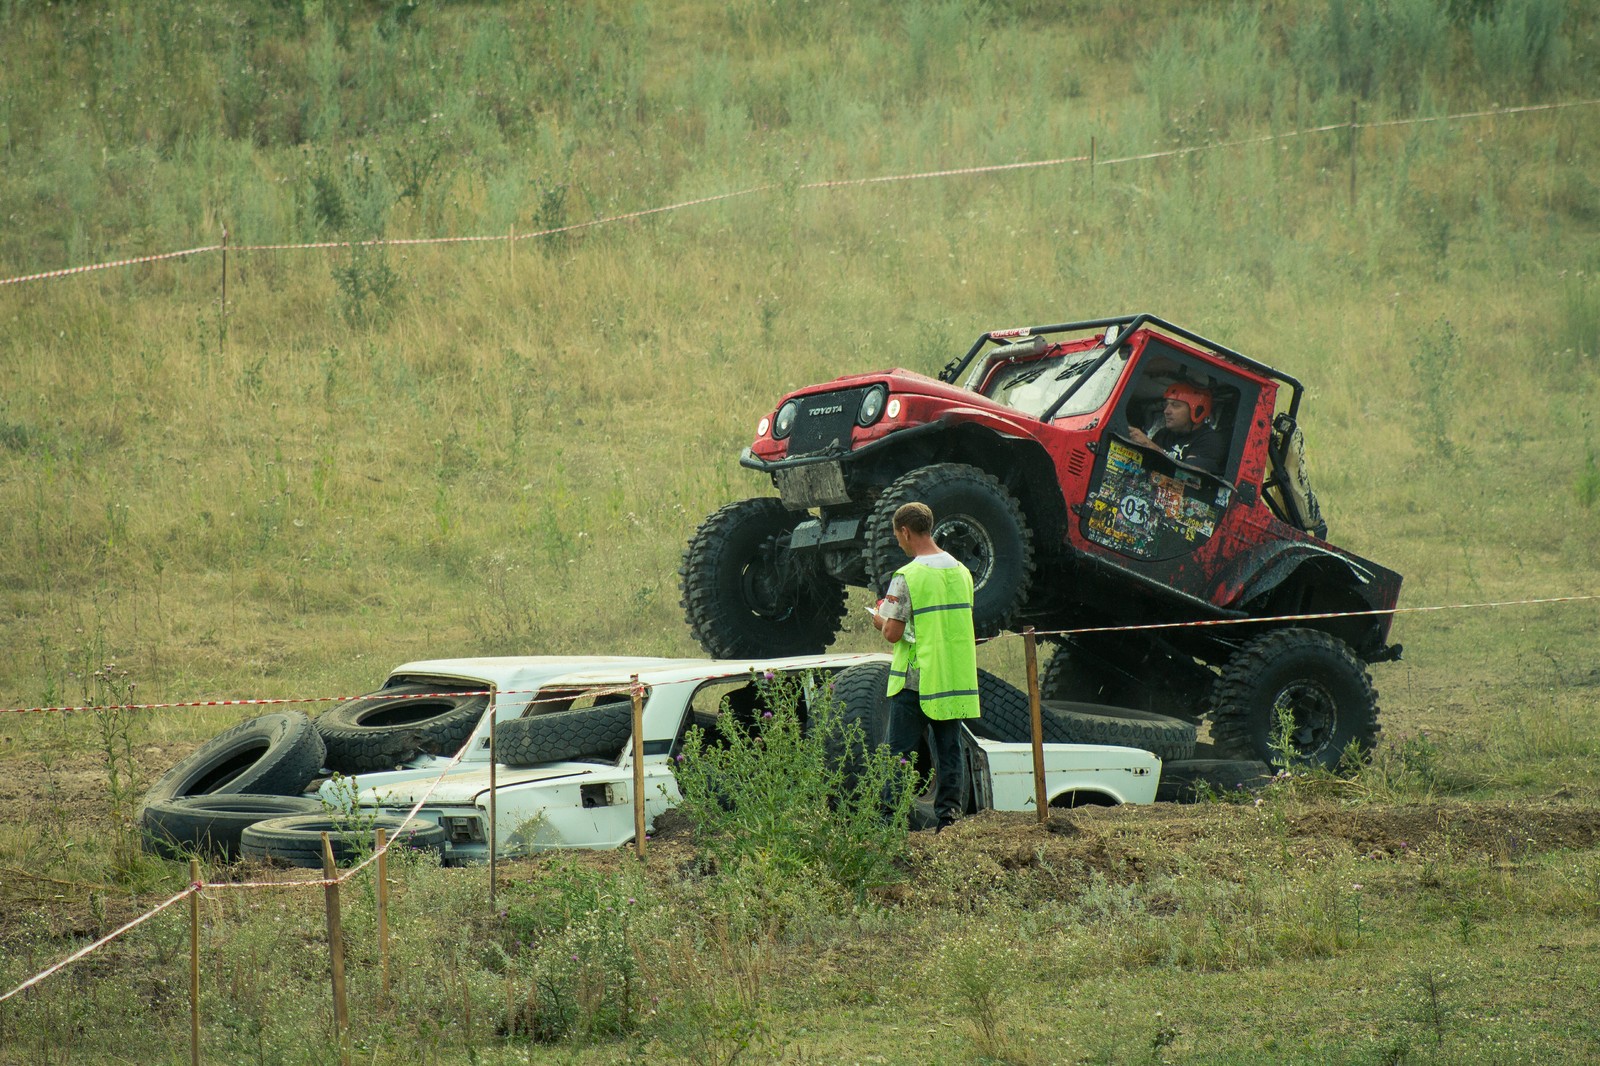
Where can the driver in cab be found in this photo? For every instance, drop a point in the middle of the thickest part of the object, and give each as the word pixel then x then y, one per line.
pixel 1184 434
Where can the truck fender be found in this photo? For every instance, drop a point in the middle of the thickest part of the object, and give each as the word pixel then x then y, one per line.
pixel 1269 566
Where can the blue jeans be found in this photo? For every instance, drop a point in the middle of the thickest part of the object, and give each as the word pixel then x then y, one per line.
pixel 907 726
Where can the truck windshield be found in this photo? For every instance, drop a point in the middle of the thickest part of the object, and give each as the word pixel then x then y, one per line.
pixel 1031 387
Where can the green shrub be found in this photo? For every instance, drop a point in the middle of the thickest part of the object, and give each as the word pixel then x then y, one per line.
pixel 770 795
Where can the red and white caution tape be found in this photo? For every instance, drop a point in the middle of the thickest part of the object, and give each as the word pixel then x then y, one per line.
pixel 1301 617
pixel 832 184
pixel 66 271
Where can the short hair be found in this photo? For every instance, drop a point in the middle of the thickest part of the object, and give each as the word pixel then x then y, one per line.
pixel 914 518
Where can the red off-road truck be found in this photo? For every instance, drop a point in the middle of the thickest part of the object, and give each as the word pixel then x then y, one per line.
pixel 1024 449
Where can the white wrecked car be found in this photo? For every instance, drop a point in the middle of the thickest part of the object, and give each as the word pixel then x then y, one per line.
pixel 562 775
pixel 556 769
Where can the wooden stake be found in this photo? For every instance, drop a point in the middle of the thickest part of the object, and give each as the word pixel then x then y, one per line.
pixel 1037 720
pixel 383 912
pixel 638 767
pixel 222 309
pixel 1091 169
pixel 341 1018
pixel 194 963
pixel 494 809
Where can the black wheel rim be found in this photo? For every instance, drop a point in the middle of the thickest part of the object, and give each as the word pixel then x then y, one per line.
pixel 1313 714
pixel 970 543
pixel 767 589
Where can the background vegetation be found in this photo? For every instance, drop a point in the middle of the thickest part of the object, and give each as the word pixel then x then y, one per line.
pixel 371 455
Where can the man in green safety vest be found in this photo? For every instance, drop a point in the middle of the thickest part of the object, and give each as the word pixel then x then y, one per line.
pixel 933 681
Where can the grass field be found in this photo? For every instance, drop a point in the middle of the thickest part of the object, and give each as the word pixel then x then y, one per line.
pixel 370 455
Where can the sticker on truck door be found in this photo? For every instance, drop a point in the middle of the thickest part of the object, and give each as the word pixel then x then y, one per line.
pixel 1149 507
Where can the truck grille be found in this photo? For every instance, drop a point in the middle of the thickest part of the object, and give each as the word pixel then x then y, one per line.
pixel 823 420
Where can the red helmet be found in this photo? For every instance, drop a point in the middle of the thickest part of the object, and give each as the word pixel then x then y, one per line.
pixel 1198 399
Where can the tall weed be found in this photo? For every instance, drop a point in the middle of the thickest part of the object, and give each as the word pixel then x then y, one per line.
pixel 1519 45
pixel 1435 366
pixel 771 795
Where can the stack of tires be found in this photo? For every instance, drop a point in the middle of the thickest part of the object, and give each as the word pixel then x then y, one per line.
pixel 242 794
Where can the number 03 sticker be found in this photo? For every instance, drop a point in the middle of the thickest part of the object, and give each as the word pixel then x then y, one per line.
pixel 1135 509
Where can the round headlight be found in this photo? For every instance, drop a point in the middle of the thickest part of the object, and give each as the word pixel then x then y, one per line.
pixel 894 408
pixel 872 405
pixel 785 420
pixel 761 427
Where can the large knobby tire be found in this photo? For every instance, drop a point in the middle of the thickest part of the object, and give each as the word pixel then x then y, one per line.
pixel 296 840
pixel 974 519
pixel 384 729
pixel 1312 676
pixel 744 597
pixel 1069 676
pixel 211 825
pixel 1140 679
pixel 592 732
pixel 1087 723
pixel 860 691
pixel 277 754
pixel 1006 715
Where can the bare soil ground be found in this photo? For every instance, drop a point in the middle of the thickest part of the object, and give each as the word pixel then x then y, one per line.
pixel 992 852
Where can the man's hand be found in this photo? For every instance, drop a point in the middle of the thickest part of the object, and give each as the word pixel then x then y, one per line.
pixel 891 628
pixel 1140 437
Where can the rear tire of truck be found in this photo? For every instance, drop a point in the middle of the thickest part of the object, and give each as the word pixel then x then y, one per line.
pixel 1314 678
pixel 276 753
pixel 593 732
pixel 974 519
pixel 744 596
pixel 211 825
pixel 380 731
pixel 296 840
pixel 1163 736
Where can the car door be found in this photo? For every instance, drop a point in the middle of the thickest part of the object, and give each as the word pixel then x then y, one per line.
pixel 1145 511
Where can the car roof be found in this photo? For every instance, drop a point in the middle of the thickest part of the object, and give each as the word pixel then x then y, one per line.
pixel 523 672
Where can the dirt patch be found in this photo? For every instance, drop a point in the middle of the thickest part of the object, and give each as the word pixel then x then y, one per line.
pixel 52 802
pixel 1002 853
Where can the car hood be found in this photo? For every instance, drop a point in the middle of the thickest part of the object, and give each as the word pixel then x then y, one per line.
pixel 467 787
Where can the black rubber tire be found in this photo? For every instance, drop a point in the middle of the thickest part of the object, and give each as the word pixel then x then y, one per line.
pixel 1142 679
pixel 296 840
pixel 1186 780
pixel 1005 716
pixel 210 825
pixel 1090 723
pixel 276 754
pixel 1317 676
pixel 974 519
pixel 1067 677
pixel 380 731
pixel 860 691
pixel 742 598
pixel 561 735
